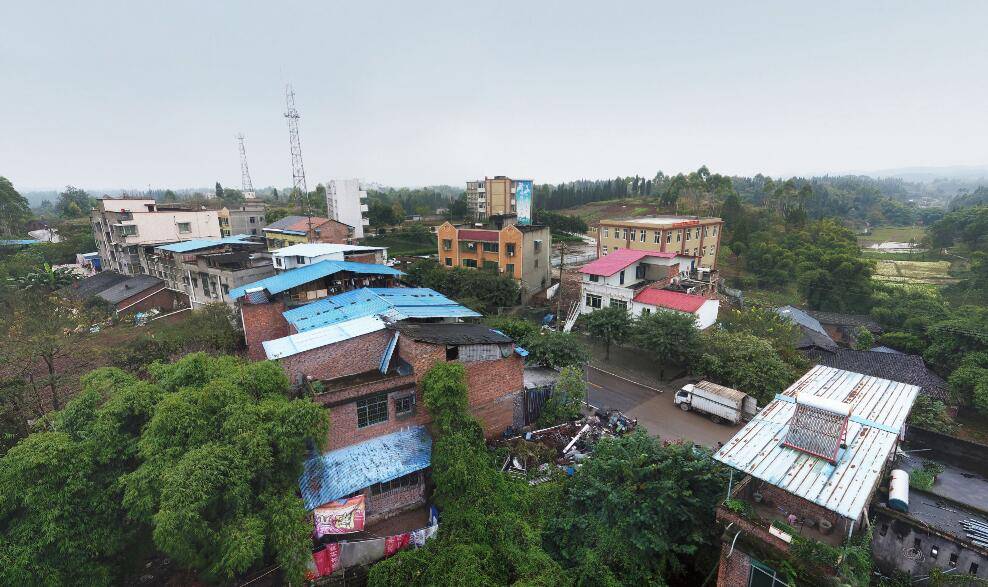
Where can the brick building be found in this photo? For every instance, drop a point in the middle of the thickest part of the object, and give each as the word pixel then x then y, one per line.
pixel 293 230
pixel 370 383
pixel 125 294
pixel 811 461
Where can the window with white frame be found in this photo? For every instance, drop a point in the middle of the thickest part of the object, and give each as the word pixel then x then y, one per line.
pixel 593 278
pixel 632 235
pixel 657 237
pixel 594 301
pixel 618 304
pixel 605 232
pixel 669 237
pixel 679 234
pixel 641 235
pixel 184 227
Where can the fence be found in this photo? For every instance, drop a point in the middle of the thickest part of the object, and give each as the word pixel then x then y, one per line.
pixel 535 399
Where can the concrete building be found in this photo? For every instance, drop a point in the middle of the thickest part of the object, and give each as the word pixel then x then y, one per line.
pixel 811 463
pixel 246 218
pixel 127 230
pixel 684 235
pixel 124 294
pixel 517 251
pixel 206 270
pixel 294 230
pixel 309 253
pixel 492 196
pixel 346 202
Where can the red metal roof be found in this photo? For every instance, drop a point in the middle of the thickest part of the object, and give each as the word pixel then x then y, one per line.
pixel 478 235
pixel 672 300
pixel 619 259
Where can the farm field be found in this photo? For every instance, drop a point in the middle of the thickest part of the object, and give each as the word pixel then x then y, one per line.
pixel 899 234
pixel 933 273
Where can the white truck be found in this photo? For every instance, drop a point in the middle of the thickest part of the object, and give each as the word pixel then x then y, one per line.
pixel 722 404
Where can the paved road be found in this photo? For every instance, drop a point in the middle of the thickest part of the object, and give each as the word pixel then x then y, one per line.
pixel 655 411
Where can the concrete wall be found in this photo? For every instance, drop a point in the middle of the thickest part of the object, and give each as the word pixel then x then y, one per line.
pixel 617 234
pixel 895 536
pixel 345 202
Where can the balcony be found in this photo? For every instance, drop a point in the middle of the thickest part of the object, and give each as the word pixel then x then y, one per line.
pixel 364 208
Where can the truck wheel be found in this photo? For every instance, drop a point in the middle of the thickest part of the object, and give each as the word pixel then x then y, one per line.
pixel 684 407
pixel 715 419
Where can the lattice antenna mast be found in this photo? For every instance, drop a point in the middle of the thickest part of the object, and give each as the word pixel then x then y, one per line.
pixel 298 170
pixel 245 183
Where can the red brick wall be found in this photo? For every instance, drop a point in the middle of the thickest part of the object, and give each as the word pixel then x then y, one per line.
pixel 164 299
pixel 801 507
pixel 364 258
pixel 349 357
pixel 262 322
pixel 332 232
pixel 380 507
pixel 733 571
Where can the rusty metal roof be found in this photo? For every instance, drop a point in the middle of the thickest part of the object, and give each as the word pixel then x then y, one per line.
pixel 878 410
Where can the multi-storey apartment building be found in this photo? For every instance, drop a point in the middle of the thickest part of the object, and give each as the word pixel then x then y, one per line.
pixel 346 202
pixel 517 251
pixel 492 196
pixel 206 270
pixel 246 218
pixel 127 230
pixel 685 235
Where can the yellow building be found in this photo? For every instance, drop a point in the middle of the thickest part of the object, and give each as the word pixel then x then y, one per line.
pixel 685 235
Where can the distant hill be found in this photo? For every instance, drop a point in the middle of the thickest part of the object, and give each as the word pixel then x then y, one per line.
pixel 969 173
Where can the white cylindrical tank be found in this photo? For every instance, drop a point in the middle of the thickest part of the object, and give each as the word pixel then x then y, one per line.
pixel 899 491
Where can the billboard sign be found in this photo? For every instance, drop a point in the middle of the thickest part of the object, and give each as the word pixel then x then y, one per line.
pixel 340 517
pixel 523 200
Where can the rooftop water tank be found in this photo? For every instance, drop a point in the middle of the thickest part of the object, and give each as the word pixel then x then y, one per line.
pixel 899 491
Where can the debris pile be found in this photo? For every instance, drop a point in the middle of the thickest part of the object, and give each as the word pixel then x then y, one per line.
pixel 533 455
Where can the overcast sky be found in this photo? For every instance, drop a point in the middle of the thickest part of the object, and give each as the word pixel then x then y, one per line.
pixel 127 94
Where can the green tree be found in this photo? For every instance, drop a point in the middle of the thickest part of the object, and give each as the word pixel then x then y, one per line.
pixel 566 402
pixel 640 510
pixel 220 461
pixel 864 339
pixel 607 324
pixel 458 208
pixel 745 362
pixel 219 191
pixel 670 337
pixel 556 350
pixel 767 324
pixel 14 210
pixel 169 196
pixel 518 329
pixel 73 202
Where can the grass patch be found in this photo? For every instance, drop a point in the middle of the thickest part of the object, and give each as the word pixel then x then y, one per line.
pixel 899 234
pixel 914 272
pixel 402 244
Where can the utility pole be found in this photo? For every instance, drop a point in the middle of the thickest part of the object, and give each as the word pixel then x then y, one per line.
pixel 245 183
pixel 559 288
pixel 298 170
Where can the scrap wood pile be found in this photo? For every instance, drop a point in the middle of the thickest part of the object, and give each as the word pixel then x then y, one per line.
pixel 533 455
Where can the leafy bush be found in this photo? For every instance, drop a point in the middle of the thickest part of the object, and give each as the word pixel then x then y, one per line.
pixel 556 350
pixel 930 414
pixel 744 362
pixel 921 479
pixel 566 402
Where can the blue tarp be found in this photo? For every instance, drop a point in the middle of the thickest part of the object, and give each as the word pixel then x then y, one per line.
pixel 403 302
pixel 344 471
pixel 302 275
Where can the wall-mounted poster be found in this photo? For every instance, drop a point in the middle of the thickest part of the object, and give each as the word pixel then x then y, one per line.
pixel 523 200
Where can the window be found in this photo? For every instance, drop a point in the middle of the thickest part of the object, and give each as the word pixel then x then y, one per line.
pixel 640 271
pixel 253 219
pixel 604 250
pixel 714 231
pixel 449 261
pixel 703 252
pixel 372 410
pixel 695 251
pixel 490 265
pixel 646 311
pixel 621 278
pixel 184 227
pixel 704 231
pixel 687 234
pixel 625 232
pixel 762 576
pixel 619 304
pixel 253 231
pixel 510 249
pixel 396 485
pixel 594 301
pixel 679 233
pixel 953 559
pixel 452 353
pixel 594 278
pixel 641 235
pixel 510 269
pixel 657 237
pixel 447 244
pixel 405 405
pixel 934 551
pixel 226 289
pixel 128 230
pixel 884 530
pixel 537 245
pixel 633 235
pixel 470 263
pixel 917 544
pixel 299 259
pixel 973 570
pixel 712 249
pixel 490 247
pixel 669 237
pixel 605 232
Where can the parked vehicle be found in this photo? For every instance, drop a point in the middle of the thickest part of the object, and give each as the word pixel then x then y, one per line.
pixel 722 404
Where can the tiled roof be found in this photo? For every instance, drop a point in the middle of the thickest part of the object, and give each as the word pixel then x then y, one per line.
pixel 344 471
pixel 852 320
pixel 398 302
pixel 893 366
pixel 453 333
pixel 90 286
pixel 672 300
pixel 130 287
pixel 619 259
pixel 308 273
pixel 813 334
pixel 478 235
pixel 299 224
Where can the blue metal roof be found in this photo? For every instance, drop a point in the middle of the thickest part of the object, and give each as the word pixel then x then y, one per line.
pixel 341 472
pixel 400 302
pixel 308 273
pixel 197 244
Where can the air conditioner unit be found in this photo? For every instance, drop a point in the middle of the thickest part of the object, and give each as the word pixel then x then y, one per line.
pixel 511 254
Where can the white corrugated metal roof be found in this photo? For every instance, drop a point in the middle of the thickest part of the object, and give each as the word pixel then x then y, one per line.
pixel 878 410
pixel 318 337
pixel 724 392
pixel 320 249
